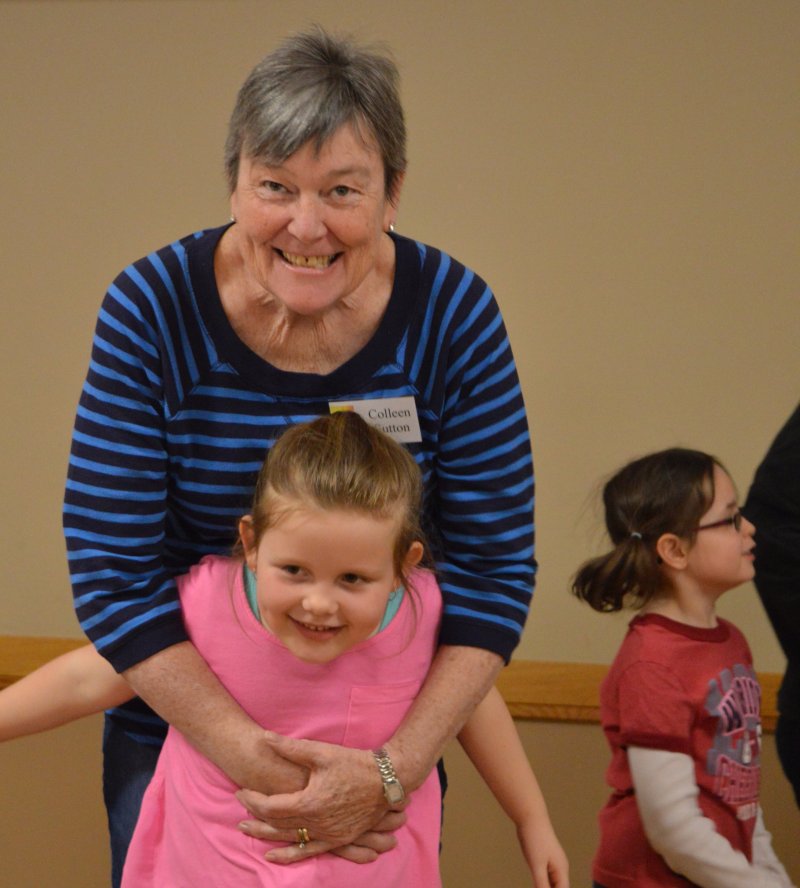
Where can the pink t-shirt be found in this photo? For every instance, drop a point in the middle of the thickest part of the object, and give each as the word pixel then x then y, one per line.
pixel 682 689
pixel 186 835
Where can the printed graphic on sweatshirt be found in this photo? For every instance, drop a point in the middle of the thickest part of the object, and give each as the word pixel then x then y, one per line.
pixel 734 759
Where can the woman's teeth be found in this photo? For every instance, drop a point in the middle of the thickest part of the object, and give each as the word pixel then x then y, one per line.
pixel 308 261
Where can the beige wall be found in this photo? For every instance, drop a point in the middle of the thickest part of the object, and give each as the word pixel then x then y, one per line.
pixel 622 173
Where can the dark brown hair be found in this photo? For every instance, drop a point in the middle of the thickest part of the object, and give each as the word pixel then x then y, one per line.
pixel 664 492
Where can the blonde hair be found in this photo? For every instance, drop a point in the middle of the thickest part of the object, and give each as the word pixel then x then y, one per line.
pixel 341 462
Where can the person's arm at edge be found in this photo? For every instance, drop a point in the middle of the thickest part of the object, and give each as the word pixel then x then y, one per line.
pixel 492 743
pixel 71 686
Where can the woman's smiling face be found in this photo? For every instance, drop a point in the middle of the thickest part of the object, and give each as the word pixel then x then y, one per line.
pixel 311 230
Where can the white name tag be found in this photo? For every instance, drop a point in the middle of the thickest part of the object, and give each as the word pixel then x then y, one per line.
pixel 395 417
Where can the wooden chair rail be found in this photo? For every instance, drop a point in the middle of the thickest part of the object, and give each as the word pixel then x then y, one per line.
pixel 533 689
pixel 568 692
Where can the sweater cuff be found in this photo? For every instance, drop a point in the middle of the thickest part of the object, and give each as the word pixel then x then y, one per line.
pixel 470 633
pixel 149 641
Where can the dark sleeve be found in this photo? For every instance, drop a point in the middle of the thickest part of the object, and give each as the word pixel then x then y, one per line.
pixel 114 504
pixel 484 486
pixel 773 505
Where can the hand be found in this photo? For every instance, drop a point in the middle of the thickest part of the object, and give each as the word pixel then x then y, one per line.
pixel 364 849
pixel 370 844
pixel 342 801
pixel 544 854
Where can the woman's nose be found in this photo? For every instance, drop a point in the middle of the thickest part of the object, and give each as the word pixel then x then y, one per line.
pixel 307 224
pixel 748 527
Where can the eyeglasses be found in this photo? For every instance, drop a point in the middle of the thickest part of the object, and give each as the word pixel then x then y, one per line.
pixel 735 520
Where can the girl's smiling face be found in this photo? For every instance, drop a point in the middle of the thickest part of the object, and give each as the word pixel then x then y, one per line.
pixel 324 577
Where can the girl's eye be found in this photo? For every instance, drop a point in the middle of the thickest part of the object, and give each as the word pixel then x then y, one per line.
pixel 351 579
pixel 292 569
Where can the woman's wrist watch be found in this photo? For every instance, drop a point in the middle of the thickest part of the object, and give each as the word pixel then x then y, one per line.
pixel 392 788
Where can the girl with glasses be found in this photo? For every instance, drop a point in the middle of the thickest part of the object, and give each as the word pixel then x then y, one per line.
pixel 680 705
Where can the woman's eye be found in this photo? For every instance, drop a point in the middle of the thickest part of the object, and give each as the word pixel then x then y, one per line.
pixel 342 191
pixel 272 187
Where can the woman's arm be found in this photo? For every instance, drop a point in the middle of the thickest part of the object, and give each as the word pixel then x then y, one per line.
pixel 116 520
pixel 179 685
pixel 492 743
pixel 70 687
pixel 666 795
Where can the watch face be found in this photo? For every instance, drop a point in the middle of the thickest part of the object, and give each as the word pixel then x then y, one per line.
pixel 393 792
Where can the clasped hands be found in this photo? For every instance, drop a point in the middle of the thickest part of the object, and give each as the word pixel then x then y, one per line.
pixel 342 808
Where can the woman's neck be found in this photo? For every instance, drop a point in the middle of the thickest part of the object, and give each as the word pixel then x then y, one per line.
pixel 303 344
pixel 294 342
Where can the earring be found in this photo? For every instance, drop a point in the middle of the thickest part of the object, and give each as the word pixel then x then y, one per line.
pixel 233 218
pixel 391 227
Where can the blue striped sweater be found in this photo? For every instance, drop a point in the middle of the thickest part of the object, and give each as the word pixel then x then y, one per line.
pixel 176 414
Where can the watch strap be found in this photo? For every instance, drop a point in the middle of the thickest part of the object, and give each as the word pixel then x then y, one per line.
pixel 392 788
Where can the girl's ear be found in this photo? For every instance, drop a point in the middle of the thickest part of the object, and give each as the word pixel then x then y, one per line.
pixel 413 557
pixel 247 535
pixel 672 550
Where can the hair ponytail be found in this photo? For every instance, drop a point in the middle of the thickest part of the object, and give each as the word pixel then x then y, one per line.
pixel 627 576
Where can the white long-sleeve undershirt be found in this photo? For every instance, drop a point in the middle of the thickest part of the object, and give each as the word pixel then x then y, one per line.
pixel 666 796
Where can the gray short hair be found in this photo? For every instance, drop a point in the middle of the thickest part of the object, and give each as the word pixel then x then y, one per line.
pixel 306 89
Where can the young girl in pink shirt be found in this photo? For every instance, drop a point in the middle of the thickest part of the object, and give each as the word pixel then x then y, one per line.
pixel 324 629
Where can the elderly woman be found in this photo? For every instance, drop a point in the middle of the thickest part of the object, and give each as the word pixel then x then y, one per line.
pixel 305 303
